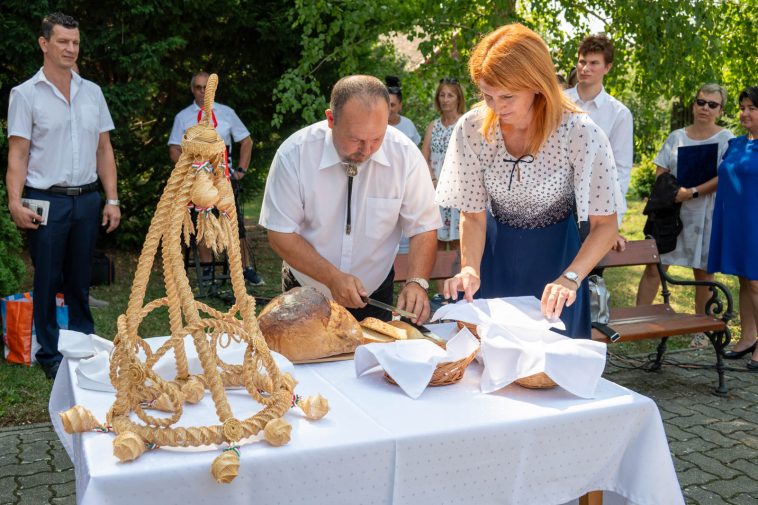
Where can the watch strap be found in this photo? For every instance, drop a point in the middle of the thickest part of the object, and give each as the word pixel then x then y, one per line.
pixel 420 281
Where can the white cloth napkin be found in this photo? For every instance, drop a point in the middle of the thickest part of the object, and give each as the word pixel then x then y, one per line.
pixel 411 363
pixel 521 310
pixel 93 373
pixel 512 352
pixel 74 344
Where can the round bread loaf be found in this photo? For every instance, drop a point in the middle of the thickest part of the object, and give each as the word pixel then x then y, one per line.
pixel 303 324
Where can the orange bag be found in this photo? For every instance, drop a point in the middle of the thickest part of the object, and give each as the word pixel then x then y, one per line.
pixel 17 316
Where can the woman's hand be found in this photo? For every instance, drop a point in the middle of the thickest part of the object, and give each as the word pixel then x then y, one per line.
pixel 466 281
pixel 558 294
pixel 683 195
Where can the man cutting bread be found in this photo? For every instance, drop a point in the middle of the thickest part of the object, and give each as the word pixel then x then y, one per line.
pixel 339 195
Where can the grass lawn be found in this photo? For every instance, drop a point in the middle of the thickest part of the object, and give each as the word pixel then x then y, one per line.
pixel 25 391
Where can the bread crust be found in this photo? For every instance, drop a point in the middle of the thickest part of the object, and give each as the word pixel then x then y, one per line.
pixel 302 324
pixel 388 329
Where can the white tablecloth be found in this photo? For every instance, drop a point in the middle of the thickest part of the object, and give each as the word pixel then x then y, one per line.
pixel 453 445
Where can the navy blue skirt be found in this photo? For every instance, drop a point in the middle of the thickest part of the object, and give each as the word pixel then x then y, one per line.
pixel 520 262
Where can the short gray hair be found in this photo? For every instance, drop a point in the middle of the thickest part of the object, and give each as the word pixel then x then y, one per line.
pixel 713 87
pixel 201 73
pixel 369 89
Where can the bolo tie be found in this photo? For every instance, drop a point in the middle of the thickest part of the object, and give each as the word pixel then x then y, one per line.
pixel 527 158
pixel 351 170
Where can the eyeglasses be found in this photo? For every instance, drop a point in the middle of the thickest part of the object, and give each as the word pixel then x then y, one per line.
pixel 701 102
pixel 448 80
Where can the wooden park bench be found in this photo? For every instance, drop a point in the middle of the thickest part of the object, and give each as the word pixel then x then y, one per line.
pixel 661 320
pixel 447 264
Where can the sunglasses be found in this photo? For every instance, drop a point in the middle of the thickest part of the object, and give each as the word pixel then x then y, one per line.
pixel 713 105
pixel 448 80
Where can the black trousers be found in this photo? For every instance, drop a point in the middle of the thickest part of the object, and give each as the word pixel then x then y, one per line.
pixel 62 249
pixel 384 293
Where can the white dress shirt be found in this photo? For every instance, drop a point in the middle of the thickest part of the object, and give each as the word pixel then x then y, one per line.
pixel 615 119
pixel 229 124
pixel 306 193
pixel 64 135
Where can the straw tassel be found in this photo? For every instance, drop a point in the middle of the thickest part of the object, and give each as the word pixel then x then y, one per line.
pixel 128 446
pixel 77 419
pixel 226 465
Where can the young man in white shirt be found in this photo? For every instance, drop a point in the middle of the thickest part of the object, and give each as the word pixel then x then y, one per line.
pixel 58 148
pixel 595 60
pixel 231 129
pixel 338 196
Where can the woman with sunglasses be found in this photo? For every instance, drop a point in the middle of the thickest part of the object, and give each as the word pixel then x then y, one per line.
pixel 450 104
pixel 734 241
pixel 697 197
pixel 518 165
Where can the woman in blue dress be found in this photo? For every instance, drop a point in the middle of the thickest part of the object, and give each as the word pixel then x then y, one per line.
pixel 734 238
pixel 534 163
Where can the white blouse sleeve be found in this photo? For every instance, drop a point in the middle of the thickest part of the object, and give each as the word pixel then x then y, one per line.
pixel 461 183
pixel 663 158
pixel 596 185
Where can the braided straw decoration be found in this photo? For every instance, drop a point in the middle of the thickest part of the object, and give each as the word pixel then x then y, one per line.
pixel 137 386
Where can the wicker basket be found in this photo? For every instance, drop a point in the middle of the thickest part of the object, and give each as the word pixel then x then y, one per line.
pixel 537 381
pixel 446 373
pixel 471 327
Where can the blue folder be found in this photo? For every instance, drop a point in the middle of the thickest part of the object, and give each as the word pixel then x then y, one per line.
pixel 696 164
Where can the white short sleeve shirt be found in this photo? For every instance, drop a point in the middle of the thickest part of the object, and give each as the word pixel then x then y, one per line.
pixel 615 119
pixel 63 135
pixel 230 127
pixel 306 193
pixel 406 126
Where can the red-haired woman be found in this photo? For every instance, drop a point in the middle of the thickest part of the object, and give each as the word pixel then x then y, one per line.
pixel 523 166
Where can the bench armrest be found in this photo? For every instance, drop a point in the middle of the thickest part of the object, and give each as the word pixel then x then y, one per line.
pixel 714 306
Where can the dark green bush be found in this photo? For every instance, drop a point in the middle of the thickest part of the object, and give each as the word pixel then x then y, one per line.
pixel 12 269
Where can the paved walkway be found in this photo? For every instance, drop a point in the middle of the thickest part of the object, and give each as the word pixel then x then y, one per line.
pixel 714 440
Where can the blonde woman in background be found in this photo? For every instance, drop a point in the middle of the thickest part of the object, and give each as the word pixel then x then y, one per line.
pixel 450 103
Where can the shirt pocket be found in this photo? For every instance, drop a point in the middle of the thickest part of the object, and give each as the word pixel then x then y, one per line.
pixel 382 215
pixel 89 118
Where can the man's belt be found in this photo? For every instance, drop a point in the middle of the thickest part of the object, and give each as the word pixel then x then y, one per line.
pixel 71 190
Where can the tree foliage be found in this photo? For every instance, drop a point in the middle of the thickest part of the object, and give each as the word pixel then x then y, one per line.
pixel 143 54
pixel 277 60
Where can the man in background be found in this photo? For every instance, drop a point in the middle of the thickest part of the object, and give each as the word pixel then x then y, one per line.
pixel 595 60
pixel 230 128
pixel 58 148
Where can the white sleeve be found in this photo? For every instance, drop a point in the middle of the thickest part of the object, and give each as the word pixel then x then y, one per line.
pixel 106 122
pixel 418 212
pixel 283 209
pixel 177 132
pixel 19 116
pixel 663 158
pixel 622 144
pixel 596 184
pixel 461 183
pixel 239 132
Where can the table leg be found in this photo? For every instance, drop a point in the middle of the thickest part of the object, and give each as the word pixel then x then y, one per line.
pixel 592 498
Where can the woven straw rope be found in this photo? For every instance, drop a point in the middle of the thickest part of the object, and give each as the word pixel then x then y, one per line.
pixel 134 380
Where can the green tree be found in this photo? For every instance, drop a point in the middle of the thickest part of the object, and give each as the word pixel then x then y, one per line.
pixel 143 54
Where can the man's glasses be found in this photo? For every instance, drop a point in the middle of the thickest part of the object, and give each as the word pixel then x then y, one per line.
pixel 448 80
pixel 701 102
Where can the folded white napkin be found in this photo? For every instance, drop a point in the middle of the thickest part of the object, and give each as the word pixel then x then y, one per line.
pixel 93 373
pixel 411 363
pixel 74 344
pixel 521 310
pixel 512 352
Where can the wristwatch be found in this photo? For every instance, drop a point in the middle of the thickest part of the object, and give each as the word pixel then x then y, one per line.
pixel 573 276
pixel 242 170
pixel 420 281
pixel 695 192
pixel 113 202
